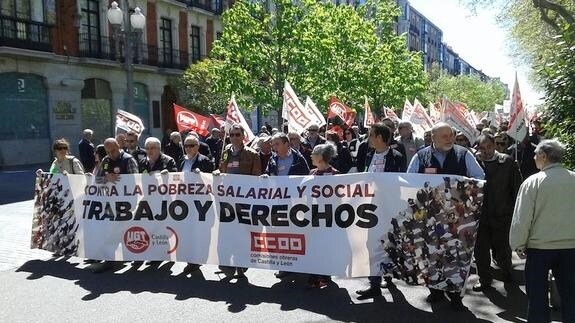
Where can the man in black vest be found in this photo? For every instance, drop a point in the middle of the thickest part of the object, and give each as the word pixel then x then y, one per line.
pixel 382 158
pixel 445 157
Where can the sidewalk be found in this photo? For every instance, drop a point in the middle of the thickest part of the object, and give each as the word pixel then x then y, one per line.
pixel 15 228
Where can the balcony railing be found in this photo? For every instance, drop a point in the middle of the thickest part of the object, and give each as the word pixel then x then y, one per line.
pixel 103 48
pixel 214 6
pixel 26 34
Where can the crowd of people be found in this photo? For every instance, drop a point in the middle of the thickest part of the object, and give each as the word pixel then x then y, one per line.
pixel 388 146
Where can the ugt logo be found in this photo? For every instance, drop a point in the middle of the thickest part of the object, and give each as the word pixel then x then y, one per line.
pixel 287 243
pixel 136 239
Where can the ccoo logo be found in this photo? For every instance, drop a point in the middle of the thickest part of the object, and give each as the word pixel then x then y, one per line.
pixel 136 239
pixel 185 118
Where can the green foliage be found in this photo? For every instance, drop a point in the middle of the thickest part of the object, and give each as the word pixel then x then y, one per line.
pixel 196 89
pixel 469 89
pixel 322 49
pixel 559 78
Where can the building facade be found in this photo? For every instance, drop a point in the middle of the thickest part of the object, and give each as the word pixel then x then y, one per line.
pixel 62 70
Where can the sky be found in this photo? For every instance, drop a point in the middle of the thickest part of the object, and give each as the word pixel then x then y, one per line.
pixel 479 40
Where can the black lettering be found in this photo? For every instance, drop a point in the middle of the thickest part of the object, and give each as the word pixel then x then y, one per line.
pixel 123 212
pixel 143 211
pixel 293 215
pixel 164 212
pixel 227 213
pixel 183 210
pixel 260 214
pixel 85 203
pixel 243 213
pixel 202 209
pixel 108 213
pixel 339 211
pixel 279 216
pixel 95 210
pixel 316 215
pixel 365 212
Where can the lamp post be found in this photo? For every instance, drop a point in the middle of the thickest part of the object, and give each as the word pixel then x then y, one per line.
pixel 130 36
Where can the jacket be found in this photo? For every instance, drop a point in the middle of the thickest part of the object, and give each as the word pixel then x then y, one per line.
pixel 202 162
pixel 164 162
pixel 249 161
pixel 503 179
pixel 394 161
pixel 299 165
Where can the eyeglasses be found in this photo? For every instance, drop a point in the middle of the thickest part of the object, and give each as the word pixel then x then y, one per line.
pixel 235 134
pixel 61 148
pixel 500 144
pixel 190 145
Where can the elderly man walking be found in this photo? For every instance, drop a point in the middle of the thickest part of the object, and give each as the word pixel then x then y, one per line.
pixel 543 230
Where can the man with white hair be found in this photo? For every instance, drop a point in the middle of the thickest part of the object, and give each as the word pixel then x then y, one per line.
pixel 86 149
pixel 156 161
pixel 174 148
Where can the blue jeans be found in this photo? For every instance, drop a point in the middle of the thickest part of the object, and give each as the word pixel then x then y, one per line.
pixel 537 266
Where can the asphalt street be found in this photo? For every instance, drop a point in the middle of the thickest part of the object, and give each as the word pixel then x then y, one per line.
pixel 34 287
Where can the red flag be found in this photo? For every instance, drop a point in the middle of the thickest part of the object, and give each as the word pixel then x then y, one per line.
pixel 337 108
pixel 217 120
pixel 338 130
pixel 188 120
pixel 517 124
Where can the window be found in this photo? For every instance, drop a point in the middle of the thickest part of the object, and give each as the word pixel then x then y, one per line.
pixel 166 40
pixel 195 40
pixel 219 35
pixel 90 27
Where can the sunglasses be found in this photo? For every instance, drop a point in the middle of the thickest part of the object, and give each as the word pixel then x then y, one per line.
pixel 61 148
pixel 190 146
pixel 235 134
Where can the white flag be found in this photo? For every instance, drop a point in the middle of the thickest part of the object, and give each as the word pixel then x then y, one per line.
pixel 299 117
pixel 419 119
pixel 368 117
pixel 234 116
pixel 407 110
pixel 517 124
pixel 126 121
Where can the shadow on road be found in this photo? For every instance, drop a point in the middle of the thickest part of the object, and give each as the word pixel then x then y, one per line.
pixel 333 301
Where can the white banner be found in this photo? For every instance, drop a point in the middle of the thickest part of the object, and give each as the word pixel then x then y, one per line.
pixel 420 227
pixel 517 117
pixel 419 119
pixel 126 121
pixel 299 117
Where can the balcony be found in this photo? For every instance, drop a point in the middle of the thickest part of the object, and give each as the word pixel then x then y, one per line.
pixel 26 34
pixel 103 48
pixel 213 6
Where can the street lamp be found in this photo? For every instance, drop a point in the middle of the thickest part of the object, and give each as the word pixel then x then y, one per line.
pixel 130 37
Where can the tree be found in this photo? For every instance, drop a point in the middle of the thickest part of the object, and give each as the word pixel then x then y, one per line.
pixel 323 49
pixel 469 89
pixel 196 89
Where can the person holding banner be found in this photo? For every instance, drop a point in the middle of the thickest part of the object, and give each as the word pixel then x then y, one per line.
pixel 132 146
pixel 445 157
pixel 116 162
pixel 239 159
pixel 63 163
pixel 543 231
pixel 194 162
pixel 321 157
pixel 156 161
pixel 381 159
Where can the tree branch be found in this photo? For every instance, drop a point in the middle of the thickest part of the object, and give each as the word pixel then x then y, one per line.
pixel 550 21
pixel 559 9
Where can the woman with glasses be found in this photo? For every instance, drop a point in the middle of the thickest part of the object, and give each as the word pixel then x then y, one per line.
pixel 63 163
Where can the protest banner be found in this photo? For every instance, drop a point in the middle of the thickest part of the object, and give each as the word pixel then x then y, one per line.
pixel 336 108
pixel 453 116
pixel 126 121
pixel 418 227
pixel 419 119
pixel 389 113
pixel 298 116
pixel 407 110
pixel 517 128
pixel 189 120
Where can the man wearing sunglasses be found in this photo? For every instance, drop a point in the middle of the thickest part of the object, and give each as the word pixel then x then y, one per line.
pixel 132 146
pixel 239 159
